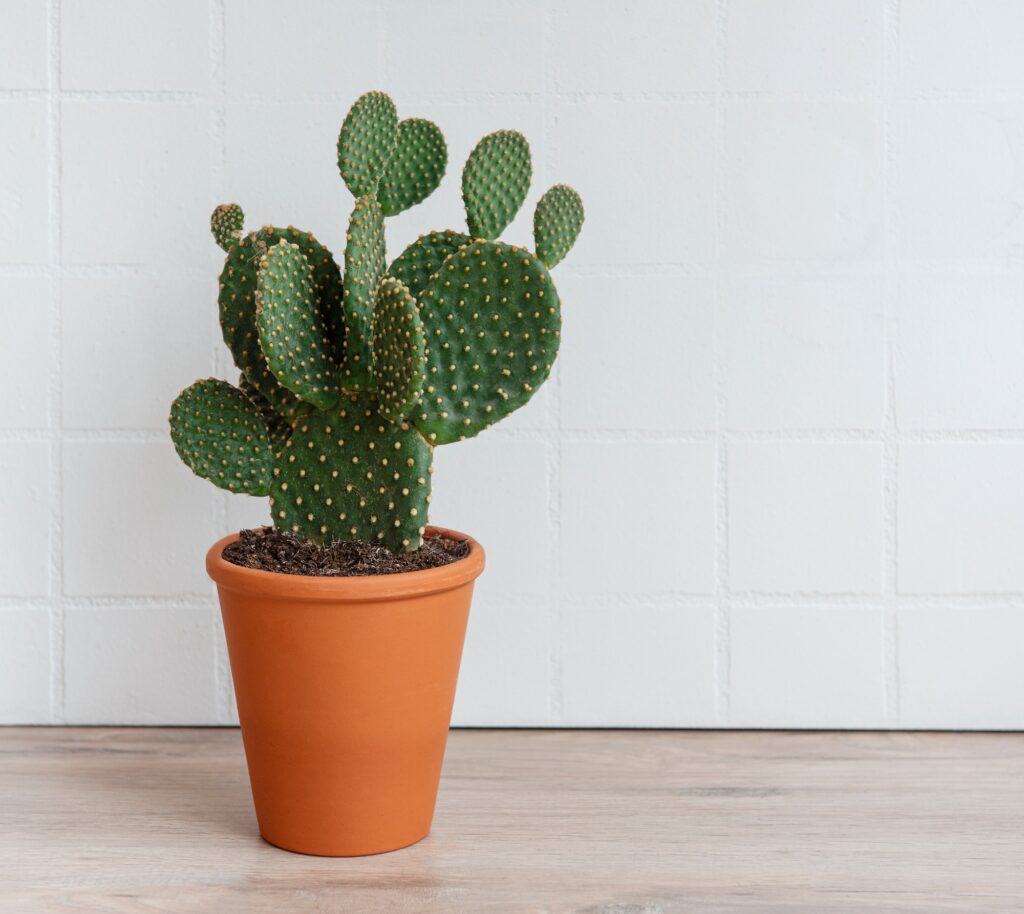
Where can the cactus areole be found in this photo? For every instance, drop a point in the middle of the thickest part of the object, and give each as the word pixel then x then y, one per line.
pixel 350 378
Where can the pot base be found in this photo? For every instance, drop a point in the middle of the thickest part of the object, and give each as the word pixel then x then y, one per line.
pixel 340 852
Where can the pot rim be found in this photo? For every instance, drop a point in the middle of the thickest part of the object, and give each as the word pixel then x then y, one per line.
pixel 362 589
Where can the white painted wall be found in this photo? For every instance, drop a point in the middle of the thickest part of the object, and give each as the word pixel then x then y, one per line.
pixel 778 479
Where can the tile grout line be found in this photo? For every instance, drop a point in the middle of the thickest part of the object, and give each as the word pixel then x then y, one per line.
pixel 963 267
pixel 95 270
pixel 922 98
pixel 134 96
pixel 980 601
pixel 723 604
pixel 223 692
pixel 58 696
pixel 891 437
pixel 553 435
pixel 379 23
pixel 553 450
pixel 140 603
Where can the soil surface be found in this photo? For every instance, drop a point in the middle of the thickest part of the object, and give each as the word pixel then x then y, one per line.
pixel 268 549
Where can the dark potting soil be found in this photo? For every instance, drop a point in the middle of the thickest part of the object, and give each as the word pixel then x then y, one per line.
pixel 268 549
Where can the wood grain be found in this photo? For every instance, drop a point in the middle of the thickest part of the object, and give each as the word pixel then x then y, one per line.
pixel 602 822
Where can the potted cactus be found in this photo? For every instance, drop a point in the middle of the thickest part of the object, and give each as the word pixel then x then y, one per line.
pixel 349 380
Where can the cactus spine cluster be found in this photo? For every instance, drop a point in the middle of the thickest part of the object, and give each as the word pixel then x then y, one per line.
pixel 349 379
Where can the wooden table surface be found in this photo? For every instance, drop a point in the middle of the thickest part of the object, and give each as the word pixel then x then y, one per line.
pixel 603 822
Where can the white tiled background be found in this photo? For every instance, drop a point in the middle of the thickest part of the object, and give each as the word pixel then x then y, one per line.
pixel 778 478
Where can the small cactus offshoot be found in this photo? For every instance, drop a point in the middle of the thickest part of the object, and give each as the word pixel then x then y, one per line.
pixel 350 377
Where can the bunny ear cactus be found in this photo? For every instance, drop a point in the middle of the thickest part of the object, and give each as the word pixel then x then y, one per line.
pixel 226 223
pixel 364 267
pixel 492 323
pixel 219 433
pixel 557 222
pixel 292 327
pixel 495 182
pixel 366 142
pixel 237 299
pixel 350 378
pixel 416 166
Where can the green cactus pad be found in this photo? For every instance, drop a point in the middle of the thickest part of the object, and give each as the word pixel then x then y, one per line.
pixel 292 332
pixel 350 474
pixel 399 359
pixel 423 258
pixel 495 181
pixel 364 266
pixel 226 224
pixel 237 301
pixel 557 221
pixel 416 167
pixel 346 386
pixel 366 142
pixel 492 321
pixel 278 427
pixel 220 435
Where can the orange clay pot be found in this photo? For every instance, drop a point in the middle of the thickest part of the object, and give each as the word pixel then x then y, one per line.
pixel 344 689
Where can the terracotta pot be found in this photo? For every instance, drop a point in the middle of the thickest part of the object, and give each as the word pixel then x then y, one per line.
pixel 344 689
